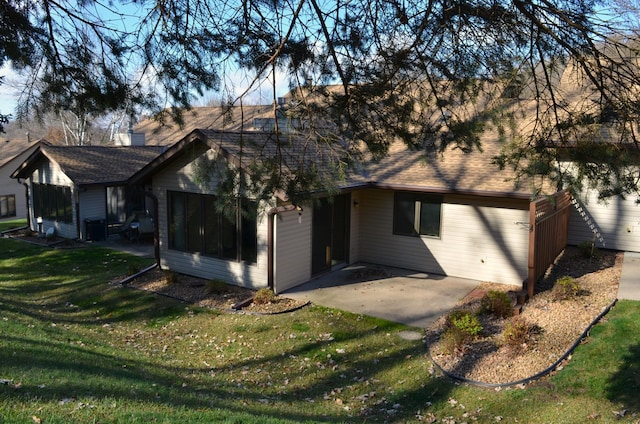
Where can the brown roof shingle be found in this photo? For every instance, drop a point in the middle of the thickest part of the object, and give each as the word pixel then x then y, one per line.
pixel 86 165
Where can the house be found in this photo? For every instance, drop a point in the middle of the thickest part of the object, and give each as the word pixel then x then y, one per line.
pixel 454 216
pixel 81 192
pixel 13 203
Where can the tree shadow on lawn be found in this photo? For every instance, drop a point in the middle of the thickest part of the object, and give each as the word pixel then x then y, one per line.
pixel 72 371
pixel 624 385
pixel 74 287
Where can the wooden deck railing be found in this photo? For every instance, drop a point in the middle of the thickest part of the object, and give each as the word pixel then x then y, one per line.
pixel 549 229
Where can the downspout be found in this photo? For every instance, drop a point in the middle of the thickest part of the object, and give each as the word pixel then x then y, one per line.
pixel 27 203
pixel 270 247
pixel 156 232
pixel 76 197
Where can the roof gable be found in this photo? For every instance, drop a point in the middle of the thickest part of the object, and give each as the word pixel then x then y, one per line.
pixel 87 165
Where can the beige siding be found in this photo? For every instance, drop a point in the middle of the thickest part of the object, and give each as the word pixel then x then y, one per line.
pixel 179 177
pixel 292 262
pixel 481 240
pixel 617 220
pixel 10 186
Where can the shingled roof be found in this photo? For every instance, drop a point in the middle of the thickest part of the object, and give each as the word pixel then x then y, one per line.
pixel 403 168
pixel 89 165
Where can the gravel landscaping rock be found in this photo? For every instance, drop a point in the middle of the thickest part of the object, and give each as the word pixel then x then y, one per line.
pixel 559 323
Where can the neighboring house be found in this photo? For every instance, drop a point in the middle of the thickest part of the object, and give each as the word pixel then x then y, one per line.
pixel 13 203
pixel 81 191
pixel 454 215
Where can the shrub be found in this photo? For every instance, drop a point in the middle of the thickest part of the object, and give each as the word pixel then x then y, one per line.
pixel 566 288
pixel 466 321
pixel 264 296
pixel 588 250
pixel 462 326
pixel 497 303
pixel 216 286
pixel 454 340
pixel 518 333
pixel 170 277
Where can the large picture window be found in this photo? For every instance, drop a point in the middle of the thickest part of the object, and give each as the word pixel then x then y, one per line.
pixel 416 214
pixel 7 206
pixel 53 202
pixel 196 226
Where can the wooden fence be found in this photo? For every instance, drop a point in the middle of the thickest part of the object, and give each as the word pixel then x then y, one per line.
pixel 549 229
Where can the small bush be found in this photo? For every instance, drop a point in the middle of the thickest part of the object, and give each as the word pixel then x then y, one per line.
pixel 454 340
pixel 264 296
pixel 216 286
pixel 497 303
pixel 465 321
pixel 170 277
pixel 518 331
pixel 462 327
pixel 588 250
pixel 566 288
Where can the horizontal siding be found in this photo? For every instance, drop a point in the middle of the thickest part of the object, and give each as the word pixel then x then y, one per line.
pixel 292 249
pixel 179 177
pixel 8 187
pixel 618 221
pixel 478 240
pixel 92 206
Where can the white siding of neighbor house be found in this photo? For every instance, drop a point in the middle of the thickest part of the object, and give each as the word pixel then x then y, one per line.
pixel 10 186
pixel 618 221
pixel 484 240
pixel 179 177
pixel 48 173
pixel 292 258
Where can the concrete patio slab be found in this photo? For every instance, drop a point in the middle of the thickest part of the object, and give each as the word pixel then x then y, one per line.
pixel 630 279
pixel 399 295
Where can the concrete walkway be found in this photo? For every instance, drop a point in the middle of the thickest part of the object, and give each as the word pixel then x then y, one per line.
pixel 630 280
pixel 398 295
pixel 143 248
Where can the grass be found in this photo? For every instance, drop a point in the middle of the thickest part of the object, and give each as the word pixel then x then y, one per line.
pixel 75 348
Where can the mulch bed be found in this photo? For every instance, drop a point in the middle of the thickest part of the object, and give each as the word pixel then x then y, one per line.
pixel 558 323
pixel 29 236
pixel 203 293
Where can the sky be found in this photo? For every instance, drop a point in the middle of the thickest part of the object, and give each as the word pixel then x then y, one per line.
pixel 8 94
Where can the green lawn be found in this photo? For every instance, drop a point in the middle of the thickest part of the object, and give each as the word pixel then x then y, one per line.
pixel 75 348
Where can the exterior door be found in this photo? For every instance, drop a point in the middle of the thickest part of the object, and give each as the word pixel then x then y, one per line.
pixel 330 233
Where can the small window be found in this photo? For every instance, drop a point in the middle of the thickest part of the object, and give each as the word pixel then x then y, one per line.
pixel 417 214
pixel 7 206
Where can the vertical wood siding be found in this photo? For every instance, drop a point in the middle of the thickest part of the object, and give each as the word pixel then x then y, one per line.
pixel 480 239
pixel 179 177
pixel 549 218
pixel 617 220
